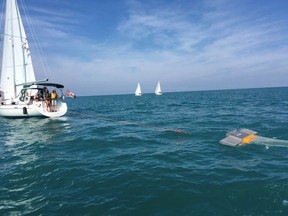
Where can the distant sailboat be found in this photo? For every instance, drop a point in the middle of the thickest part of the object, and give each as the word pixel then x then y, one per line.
pixel 158 89
pixel 138 90
pixel 20 94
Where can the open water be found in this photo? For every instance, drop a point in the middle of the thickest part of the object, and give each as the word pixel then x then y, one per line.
pixel 127 155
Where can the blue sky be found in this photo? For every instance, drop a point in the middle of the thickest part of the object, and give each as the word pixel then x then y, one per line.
pixel 97 47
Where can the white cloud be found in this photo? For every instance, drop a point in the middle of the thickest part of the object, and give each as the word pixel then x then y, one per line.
pixel 188 48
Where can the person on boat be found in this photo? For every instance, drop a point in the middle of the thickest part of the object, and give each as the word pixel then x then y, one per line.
pixel 37 96
pixel 54 101
pixel 40 94
pixel 46 98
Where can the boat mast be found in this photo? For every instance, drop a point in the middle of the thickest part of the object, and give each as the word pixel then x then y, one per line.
pixel 17 37
pixel 12 41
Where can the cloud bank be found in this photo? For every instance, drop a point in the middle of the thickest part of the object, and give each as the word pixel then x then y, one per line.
pixel 186 45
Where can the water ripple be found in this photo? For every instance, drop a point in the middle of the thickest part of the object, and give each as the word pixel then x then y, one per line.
pixel 111 156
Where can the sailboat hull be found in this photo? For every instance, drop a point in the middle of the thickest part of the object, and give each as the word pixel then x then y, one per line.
pixel 36 109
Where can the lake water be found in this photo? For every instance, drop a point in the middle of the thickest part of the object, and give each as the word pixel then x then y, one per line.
pixel 149 155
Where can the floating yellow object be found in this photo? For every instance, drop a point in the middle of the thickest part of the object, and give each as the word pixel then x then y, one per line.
pixel 248 139
pixel 239 137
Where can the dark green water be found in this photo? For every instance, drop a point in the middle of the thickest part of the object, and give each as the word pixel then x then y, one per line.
pixel 112 155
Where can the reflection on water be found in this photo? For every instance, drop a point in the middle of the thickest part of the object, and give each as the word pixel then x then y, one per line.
pixel 33 130
pixel 20 153
pixel 20 136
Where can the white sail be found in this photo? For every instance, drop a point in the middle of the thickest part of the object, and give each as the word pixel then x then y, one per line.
pixel 158 89
pixel 19 90
pixel 17 65
pixel 138 90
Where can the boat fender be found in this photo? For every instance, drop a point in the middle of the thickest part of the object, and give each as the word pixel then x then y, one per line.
pixel 26 99
pixel 25 111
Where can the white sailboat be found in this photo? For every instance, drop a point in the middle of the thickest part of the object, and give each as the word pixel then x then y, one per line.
pixel 138 90
pixel 20 93
pixel 158 89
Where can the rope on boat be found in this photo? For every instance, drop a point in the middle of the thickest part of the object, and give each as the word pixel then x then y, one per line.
pixel 131 123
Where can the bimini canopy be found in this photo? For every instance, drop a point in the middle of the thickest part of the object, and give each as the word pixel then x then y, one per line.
pixel 56 85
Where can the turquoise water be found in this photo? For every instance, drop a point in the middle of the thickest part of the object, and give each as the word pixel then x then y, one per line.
pixel 122 155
